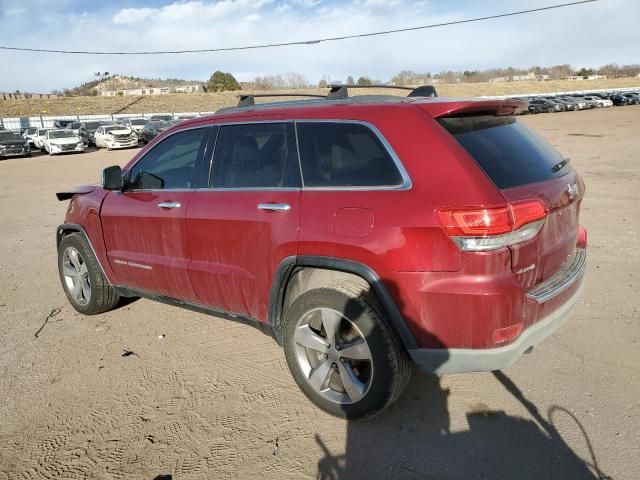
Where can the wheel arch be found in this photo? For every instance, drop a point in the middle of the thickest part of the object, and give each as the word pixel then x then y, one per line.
pixel 297 274
pixel 69 228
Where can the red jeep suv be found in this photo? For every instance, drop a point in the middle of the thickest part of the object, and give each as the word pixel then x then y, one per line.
pixel 365 234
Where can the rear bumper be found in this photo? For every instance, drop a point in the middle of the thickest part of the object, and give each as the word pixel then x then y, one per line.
pixel 462 360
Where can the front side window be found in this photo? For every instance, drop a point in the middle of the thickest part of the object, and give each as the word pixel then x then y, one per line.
pixel 170 164
pixel 344 155
pixel 255 155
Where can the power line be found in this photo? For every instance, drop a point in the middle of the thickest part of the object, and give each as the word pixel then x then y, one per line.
pixel 303 42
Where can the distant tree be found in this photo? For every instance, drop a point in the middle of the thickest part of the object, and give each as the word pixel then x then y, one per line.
pixel 364 81
pixel 350 80
pixel 222 82
pixel 585 72
pixel 322 83
pixel 296 80
pixel 17 92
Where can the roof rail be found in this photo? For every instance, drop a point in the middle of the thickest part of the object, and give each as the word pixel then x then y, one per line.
pixel 248 100
pixel 340 91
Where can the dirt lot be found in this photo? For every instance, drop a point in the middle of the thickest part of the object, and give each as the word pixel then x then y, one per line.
pixel 210 102
pixel 214 399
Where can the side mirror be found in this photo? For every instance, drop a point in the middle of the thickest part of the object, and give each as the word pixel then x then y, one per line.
pixel 112 178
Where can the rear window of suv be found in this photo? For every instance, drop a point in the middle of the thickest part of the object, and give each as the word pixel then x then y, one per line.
pixel 510 153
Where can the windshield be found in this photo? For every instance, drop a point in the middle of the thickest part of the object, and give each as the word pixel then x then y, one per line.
pixel 8 136
pixel 93 125
pixel 30 131
pixel 111 129
pixel 139 121
pixel 42 131
pixel 61 134
pixel 74 125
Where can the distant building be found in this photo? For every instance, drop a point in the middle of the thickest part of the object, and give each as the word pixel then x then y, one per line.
pixel 138 92
pixel 528 77
pixel 584 77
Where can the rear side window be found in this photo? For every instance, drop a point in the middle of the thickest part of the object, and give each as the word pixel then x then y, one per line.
pixel 344 155
pixel 510 153
pixel 258 155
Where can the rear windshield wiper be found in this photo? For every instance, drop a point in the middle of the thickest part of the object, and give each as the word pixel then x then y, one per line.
pixel 558 166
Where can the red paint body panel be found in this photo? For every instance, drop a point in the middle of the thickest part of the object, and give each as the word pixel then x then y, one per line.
pixel 147 246
pixel 236 248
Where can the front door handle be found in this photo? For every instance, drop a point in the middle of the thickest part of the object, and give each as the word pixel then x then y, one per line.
pixel 169 205
pixel 275 207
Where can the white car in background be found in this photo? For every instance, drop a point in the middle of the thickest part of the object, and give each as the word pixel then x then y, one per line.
pixel 602 102
pixel 115 136
pixel 135 124
pixel 62 141
pixel 29 135
pixel 38 138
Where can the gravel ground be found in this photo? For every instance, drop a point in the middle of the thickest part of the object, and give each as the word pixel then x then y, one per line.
pixel 205 398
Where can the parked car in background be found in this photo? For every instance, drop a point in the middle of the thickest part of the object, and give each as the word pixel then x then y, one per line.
pixel 74 127
pixel 29 135
pixel 135 124
pixel 582 103
pixel 619 100
pixel 13 144
pixel 62 140
pixel 152 129
pixel 632 98
pixel 600 102
pixel 62 123
pixel 114 136
pixel 542 105
pixel 38 139
pixel 87 131
pixel 365 237
pixel 570 105
pixel 157 118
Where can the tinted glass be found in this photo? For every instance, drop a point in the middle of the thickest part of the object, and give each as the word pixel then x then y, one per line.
pixel 509 153
pixel 61 134
pixel 10 136
pixel 344 155
pixel 255 155
pixel 169 164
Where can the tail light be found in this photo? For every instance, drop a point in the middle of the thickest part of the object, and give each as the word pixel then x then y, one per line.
pixel 478 229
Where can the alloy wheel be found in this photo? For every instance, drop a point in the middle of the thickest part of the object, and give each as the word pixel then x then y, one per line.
pixel 333 355
pixel 76 276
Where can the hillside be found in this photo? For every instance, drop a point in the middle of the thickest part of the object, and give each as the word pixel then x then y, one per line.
pixel 123 82
pixel 208 102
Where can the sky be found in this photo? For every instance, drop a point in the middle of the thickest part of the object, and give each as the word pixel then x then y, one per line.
pixel 587 35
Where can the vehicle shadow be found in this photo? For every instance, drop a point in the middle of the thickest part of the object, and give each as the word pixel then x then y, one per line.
pixel 413 439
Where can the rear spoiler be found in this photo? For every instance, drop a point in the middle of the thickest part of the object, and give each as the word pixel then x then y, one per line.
pixel 476 106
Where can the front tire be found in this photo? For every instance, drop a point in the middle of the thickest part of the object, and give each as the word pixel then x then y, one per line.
pixel 82 279
pixel 342 353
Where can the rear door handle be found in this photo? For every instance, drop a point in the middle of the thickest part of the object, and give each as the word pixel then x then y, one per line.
pixel 169 205
pixel 275 207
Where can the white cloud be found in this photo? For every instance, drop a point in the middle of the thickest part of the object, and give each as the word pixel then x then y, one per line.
pixel 589 35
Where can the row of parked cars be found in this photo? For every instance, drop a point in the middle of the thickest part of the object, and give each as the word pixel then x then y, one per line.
pixel 68 136
pixel 567 103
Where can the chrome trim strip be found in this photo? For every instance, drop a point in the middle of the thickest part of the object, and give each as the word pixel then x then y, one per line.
pixel 568 273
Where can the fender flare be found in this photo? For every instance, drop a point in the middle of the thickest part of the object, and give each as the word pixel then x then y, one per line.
pixel 287 267
pixel 74 227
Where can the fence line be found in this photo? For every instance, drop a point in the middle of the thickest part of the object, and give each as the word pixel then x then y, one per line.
pixel 39 121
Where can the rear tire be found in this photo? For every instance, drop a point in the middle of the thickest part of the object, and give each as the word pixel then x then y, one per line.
pixel 82 279
pixel 364 371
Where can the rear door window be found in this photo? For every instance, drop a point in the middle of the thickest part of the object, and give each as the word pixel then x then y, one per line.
pixel 510 153
pixel 343 154
pixel 255 155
